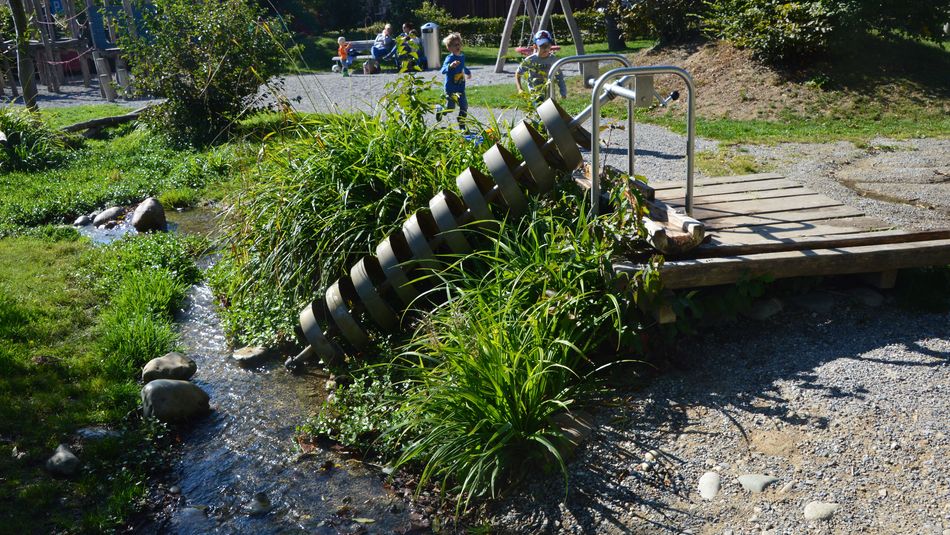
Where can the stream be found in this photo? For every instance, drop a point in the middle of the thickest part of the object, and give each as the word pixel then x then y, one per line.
pixel 239 469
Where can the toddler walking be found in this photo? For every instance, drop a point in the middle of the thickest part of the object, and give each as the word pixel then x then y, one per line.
pixel 455 73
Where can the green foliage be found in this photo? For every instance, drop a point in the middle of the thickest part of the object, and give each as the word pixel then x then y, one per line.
pixel 783 32
pixel 31 144
pixel 487 31
pixel 329 197
pixel 490 370
pixel 669 21
pixel 777 31
pixel 358 412
pixel 207 58
pixel 142 253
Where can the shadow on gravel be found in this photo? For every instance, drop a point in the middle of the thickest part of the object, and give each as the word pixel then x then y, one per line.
pixel 738 371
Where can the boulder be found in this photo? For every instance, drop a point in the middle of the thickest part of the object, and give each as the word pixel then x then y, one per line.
pixel 250 356
pixel 109 214
pixel 149 216
pixel 171 400
pixel 82 221
pixel 171 366
pixel 63 462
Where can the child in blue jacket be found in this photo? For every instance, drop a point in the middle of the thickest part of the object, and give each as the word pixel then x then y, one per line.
pixel 455 73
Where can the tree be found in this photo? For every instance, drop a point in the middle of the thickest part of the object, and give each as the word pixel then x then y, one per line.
pixel 26 70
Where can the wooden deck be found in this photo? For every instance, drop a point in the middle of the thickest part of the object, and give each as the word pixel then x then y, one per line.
pixel 765 225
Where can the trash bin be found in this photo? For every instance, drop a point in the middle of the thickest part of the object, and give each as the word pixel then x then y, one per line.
pixel 431 45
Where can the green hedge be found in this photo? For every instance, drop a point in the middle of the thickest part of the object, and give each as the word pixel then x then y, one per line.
pixel 487 31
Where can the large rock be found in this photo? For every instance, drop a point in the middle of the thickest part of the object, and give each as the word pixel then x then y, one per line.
pixel 170 366
pixel 109 214
pixel 709 485
pixel 149 216
pixel 63 462
pixel 820 510
pixel 82 221
pixel 170 400
pixel 251 356
pixel 756 482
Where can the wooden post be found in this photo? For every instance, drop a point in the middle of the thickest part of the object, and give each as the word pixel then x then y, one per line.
pixel 532 17
pixel 545 20
pixel 883 280
pixel 75 32
pixel 25 66
pixel 506 35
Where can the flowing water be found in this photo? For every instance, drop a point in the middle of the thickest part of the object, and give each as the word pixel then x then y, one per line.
pixel 239 470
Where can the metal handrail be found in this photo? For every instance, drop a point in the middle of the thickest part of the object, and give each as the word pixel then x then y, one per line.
pixel 584 58
pixel 617 90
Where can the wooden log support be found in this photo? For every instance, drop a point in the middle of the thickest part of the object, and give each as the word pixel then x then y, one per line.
pixel 694 273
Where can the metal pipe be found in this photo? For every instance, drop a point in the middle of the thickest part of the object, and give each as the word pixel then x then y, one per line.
pixel 556 66
pixel 617 90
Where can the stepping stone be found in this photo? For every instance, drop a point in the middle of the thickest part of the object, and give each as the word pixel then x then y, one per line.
pixel 820 510
pixel 756 482
pixel 709 485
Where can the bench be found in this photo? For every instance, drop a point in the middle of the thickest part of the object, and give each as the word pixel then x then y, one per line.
pixel 361 49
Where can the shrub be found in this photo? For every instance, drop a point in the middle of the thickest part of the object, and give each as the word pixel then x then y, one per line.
pixel 776 31
pixel 489 371
pixel 330 197
pixel 207 58
pixel 31 144
pixel 669 21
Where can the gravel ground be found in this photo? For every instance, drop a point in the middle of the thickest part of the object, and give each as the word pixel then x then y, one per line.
pixel 846 404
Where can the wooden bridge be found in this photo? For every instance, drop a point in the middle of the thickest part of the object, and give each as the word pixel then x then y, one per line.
pixel 766 225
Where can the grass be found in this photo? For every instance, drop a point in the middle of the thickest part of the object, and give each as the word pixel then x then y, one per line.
pixel 58 373
pixel 726 162
pixel 68 115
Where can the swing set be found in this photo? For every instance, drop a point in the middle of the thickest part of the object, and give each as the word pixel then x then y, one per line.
pixel 540 18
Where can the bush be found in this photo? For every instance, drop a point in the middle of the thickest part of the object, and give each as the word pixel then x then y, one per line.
pixel 207 58
pixel 329 198
pixel 487 31
pixel 31 144
pixel 669 21
pixel 776 31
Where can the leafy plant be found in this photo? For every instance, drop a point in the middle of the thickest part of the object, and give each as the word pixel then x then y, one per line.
pixel 670 21
pixel 30 144
pixel 207 58
pixel 489 371
pixel 330 196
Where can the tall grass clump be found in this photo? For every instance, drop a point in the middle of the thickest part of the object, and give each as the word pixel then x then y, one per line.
pixel 143 279
pixel 31 144
pixel 327 199
pixel 514 346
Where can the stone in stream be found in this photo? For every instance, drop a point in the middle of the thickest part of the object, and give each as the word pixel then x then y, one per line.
pixel 63 462
pixel 109 214
pixel 260 505
pixel 95 434
pixel 149 216
pixel 820 510
pixel 171 400
pixel 709 485
pixel 192 520
pixel 251 356
pixel 756 482
pixel 172 365
pixel 82 221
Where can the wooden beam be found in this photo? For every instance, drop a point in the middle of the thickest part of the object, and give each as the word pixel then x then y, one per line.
pixel 506 35
pixel 805 217
pixel 821 242
pixel 721 180
pixel 844 260
pixel 757 207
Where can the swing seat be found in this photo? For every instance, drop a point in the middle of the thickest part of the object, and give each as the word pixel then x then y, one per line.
pixel 528 50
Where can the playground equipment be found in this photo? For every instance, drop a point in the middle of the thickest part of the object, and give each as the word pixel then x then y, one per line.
pixel 538 21
pixel 383 284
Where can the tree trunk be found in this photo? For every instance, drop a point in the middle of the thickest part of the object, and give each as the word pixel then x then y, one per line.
pixel 614 37
pixel 26 70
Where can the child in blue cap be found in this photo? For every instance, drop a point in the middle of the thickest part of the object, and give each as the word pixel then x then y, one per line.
pixel 538 65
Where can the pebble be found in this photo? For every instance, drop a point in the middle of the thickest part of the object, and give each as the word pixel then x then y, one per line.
pixel 260 505
pixel 649 456
pixel 709 485
pixel 756 482
pixel 820 510
pixel 174 489
pixel 63 462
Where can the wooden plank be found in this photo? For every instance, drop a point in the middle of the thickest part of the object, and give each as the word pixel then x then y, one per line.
pixel 701 191
pixel 822 242
pixel 754 207
pixel 719 180
pixel 845 260
pixel 790 216
pixel 704 200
